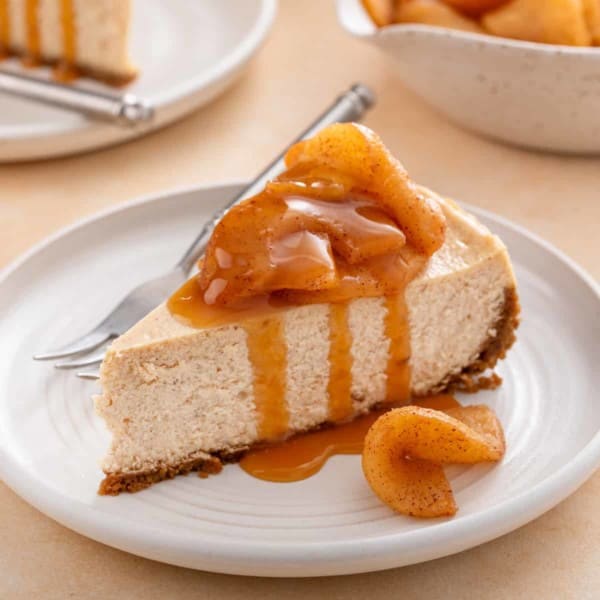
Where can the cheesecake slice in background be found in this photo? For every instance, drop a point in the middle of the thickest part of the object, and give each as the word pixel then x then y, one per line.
pixel 343 287
pixel 79 36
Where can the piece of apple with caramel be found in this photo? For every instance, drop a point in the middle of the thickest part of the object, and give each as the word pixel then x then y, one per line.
pixel 343 220
pixel 591 13
pixel 434 12
pixel 380 11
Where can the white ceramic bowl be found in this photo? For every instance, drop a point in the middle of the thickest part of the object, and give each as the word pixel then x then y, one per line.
pixel 535 95
pixel 187 53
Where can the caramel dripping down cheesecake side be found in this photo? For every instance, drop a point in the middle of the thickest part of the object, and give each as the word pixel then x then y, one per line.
pixel 77 36
pixel 342 287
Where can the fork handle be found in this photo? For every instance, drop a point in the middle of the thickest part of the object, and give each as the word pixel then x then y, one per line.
pixel 123 109
pixel 350 106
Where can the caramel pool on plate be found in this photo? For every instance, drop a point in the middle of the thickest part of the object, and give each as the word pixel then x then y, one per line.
pixel 304 455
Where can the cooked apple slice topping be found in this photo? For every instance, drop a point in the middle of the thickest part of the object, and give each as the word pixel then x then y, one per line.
pixel 342 221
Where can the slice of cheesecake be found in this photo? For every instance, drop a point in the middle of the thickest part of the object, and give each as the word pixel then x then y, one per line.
pixel 90 36
pixel 181 395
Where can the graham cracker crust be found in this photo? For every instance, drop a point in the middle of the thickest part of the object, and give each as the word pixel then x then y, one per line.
pixel 469 380
pixel 115 483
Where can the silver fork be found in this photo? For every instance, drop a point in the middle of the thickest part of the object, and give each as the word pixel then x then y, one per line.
pixel 89 349
pixel 122 109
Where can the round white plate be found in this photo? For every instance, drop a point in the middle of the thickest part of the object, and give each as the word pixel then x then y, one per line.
pixel 187 53
pixel 51 441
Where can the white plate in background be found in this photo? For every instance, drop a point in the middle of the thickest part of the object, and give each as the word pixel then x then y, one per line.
pixel 51 441
pixel 187 53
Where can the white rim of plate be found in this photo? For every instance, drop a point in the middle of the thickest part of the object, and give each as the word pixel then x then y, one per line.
pixel 239 55
pixel 453 535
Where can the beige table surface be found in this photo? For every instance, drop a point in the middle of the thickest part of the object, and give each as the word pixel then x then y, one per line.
pixel 306 62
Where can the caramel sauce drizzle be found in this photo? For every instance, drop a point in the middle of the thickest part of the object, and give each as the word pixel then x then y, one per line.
pixel 267 351
pixel 340 363
pixel 398 368
pixel 260 317
pixel 304 455
pixel 188 305
pixel 32 58
pixel 4 29
pixel 65 70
